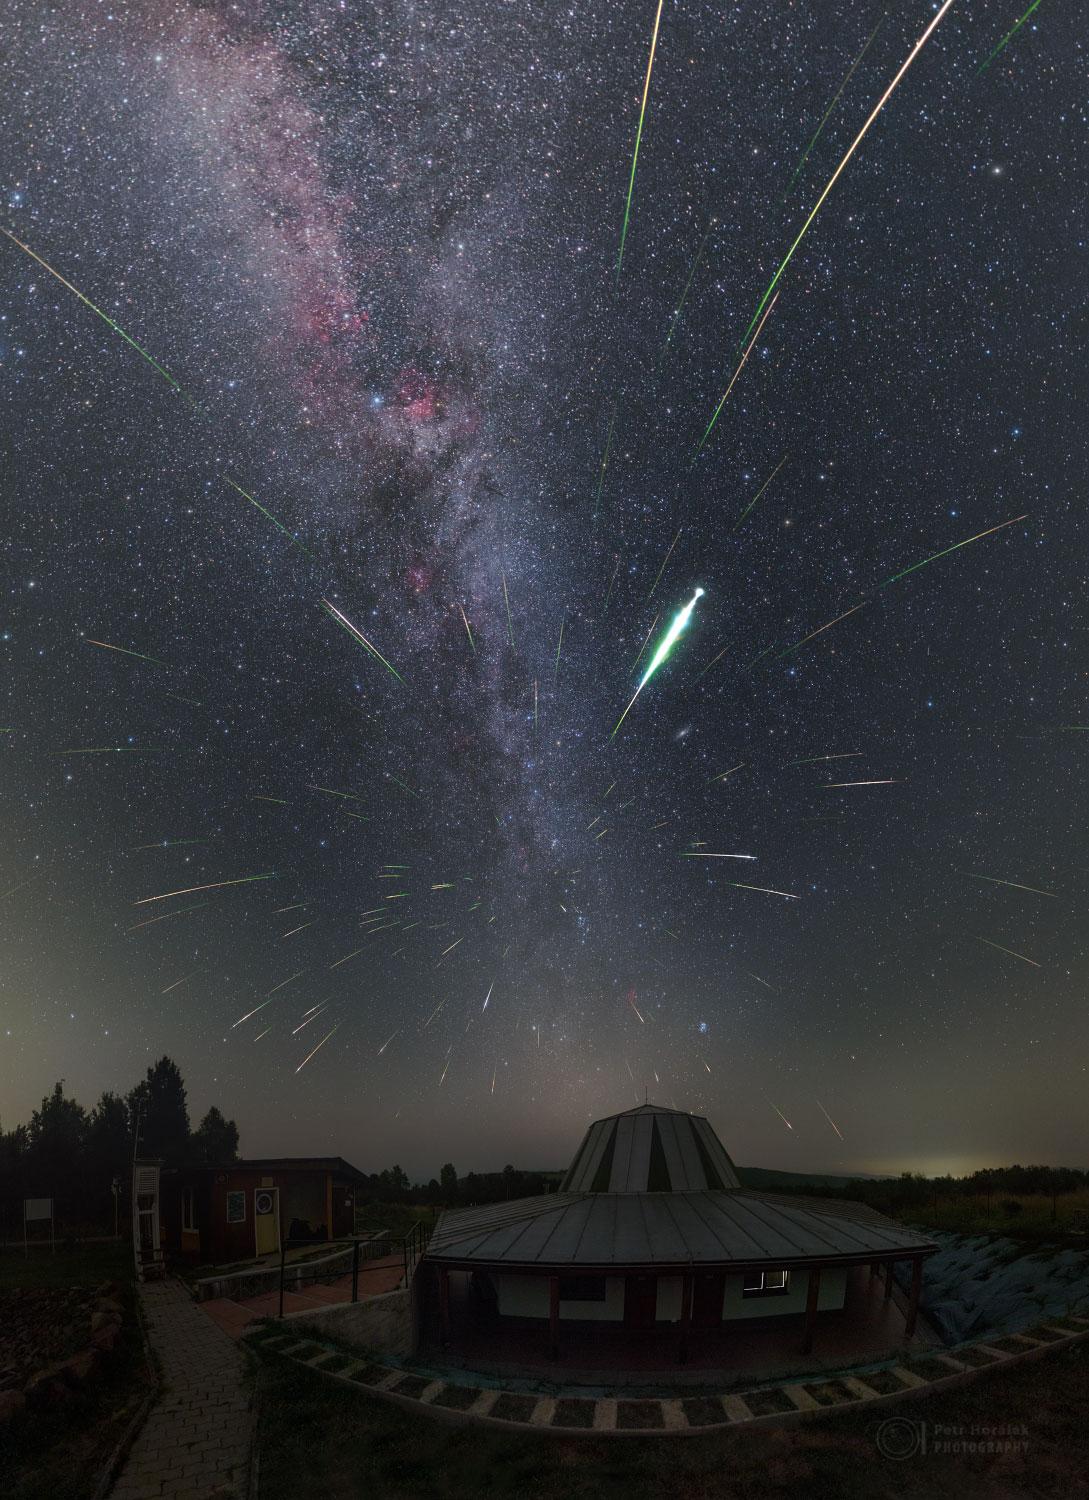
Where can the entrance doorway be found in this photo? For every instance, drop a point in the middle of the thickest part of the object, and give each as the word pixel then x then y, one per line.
pixel 266 1220
pixel 640 1301
pixel 708 1292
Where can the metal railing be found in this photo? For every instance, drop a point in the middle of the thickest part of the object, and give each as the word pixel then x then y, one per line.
pixel 356 1252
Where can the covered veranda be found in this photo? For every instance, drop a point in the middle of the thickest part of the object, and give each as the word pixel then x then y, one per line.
pixel 877 1318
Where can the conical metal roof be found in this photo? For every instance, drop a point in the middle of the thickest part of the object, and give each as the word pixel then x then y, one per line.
pixel 650 1150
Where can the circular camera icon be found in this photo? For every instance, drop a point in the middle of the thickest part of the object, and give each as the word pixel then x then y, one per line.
pixel 899 1438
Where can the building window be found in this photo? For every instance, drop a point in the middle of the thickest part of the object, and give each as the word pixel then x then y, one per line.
pixel 236 1208
pixel 766 1283
pixel 189 1210
pixel 582 1289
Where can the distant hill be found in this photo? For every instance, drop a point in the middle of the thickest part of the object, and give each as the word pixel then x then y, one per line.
pixel 764 1177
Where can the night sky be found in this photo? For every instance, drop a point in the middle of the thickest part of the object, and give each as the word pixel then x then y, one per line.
pixel 375 247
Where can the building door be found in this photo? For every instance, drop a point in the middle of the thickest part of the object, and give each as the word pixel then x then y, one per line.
pixel 266 1219
pixel 708 1292
pixel 640 1301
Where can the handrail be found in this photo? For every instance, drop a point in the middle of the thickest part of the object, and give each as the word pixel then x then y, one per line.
pixel 412 1246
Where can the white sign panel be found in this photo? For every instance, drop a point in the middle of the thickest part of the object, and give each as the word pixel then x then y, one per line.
pixel 37 1208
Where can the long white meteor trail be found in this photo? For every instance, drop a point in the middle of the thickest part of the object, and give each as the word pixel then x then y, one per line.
pixel 668 641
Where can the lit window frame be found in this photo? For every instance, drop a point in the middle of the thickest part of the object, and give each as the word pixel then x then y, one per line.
pixel 766 1286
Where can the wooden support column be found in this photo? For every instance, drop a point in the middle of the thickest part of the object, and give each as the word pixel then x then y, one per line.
pixel 888 1281
pixel 875 1268
pixel 913 1297
pixel 444 1304
pixel 554 1317
pixel 812 1297
pixel 686 1315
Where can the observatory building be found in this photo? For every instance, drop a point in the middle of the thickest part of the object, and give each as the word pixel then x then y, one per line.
pixel 650 1232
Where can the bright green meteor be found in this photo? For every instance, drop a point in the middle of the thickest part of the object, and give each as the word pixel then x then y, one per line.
pixel 1007 39
pixel 638 139
pixel 668 641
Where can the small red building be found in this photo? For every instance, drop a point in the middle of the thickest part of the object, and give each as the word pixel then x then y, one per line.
pixel 213 1216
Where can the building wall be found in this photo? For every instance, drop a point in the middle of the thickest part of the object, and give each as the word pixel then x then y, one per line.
pixel 527 1297
pixel 736 1305
pixel 308 1196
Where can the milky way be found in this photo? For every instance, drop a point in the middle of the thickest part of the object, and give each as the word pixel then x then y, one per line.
pixel 377 246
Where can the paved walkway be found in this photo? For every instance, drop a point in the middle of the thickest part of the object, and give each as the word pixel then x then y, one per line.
pixel 197 1438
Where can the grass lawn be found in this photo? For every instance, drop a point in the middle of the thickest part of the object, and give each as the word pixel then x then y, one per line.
pixel 58 1454
pixel 85 1265
pixel 316 1439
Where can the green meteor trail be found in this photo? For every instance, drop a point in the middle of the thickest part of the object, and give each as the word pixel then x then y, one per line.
pixel 268 514
pixel 835 101
pixel 760 491
pixel 638 139
pixel 1007 39
pixel 852 148
pixel 954 548
pixel 99 313
pixel 688 286
pixel 668 641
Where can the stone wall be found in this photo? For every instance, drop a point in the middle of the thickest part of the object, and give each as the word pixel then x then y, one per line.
pixel 385 1323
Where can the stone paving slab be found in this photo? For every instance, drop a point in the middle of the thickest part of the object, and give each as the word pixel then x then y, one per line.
pixel 788 1401
pixel 197 1436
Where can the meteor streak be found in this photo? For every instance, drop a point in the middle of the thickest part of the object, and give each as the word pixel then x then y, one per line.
pixel 821 1107
pixel 737 372
pixel 1011 883
pixel 487 997
pixel 1010 951
pixel 318 1048
pixel 361 638
pixel 764 890
pixel 268 515
pixel 885 781
pixel 835 101
pixel 638 139
pixel 692 854
pixel 782 1117
pixel 1007 39
pixel 468 632
pixel 125 651
pixel 386 1043
pixel 954 548
pixel 878 107
pixel 99 313
pixel 722 775
pixel 662 569
pixel 506 601
pixel 687 286
pixel 669 640
pixel 759 492
pixel 814 633
pixel 214 886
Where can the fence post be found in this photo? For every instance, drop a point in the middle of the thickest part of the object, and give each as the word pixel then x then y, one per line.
pixel 283 1255
pixel 404 1247
pixel 355 1270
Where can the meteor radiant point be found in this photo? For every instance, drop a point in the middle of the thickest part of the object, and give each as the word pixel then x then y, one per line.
pixel 669 640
